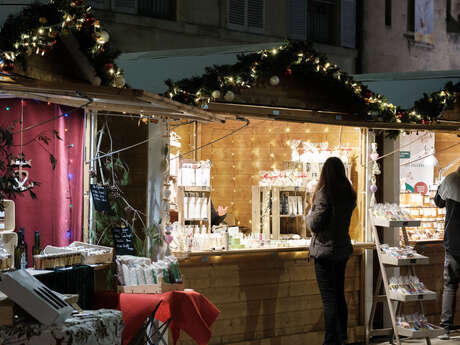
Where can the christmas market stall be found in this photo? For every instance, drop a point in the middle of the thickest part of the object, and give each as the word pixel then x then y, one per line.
pixel 63 178
pixel 288 109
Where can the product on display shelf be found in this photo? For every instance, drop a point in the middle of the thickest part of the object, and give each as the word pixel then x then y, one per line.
pixel 5 256
pixel 191 238
pixel 391 212
pixel 432 218
pixel 134 270
pixel 405 252
pixel 407 285
pixel 195 174
pixel 415 322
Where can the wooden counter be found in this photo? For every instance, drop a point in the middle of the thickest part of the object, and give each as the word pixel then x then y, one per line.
pixel 270 295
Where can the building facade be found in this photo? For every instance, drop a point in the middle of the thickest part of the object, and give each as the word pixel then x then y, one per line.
pixel 165 26
pixel 410 35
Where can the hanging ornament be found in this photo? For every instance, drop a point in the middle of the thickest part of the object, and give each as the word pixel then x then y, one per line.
pixel 216 94
pixel 89 20
pixel 288 72
pixel 373 188
pixel 374 155
pixel 274 80
pixel 101 37
pixel 108 67
pixel 118 81
pixel 229 96
pixel 21 175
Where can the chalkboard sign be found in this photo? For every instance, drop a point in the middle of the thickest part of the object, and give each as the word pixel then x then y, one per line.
pixel 123 241
pixel 100 198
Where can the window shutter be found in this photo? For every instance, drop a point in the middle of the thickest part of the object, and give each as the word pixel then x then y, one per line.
pixel 348 23
pixel 98 4
pixel 236 12
pixel 255 14
pixel 126 6
pixel 297 19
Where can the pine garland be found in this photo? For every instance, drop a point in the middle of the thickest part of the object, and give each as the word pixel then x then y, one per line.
pixel 299 61
pixel 37 28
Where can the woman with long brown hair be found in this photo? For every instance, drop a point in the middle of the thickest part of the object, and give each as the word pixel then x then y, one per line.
pixel 329 220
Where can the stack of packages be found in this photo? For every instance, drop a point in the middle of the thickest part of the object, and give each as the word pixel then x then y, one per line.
pixel 407 285
pixel 405 252
pixel 415 322
pixel 134 271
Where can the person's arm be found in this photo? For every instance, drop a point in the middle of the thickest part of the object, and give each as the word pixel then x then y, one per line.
pixel 216 219
pixel 319 213
pixel 438 201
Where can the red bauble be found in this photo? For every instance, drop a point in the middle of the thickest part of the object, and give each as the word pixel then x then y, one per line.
pixel 7 65
pixel 288 71
pixel 108 67
pixel 90 20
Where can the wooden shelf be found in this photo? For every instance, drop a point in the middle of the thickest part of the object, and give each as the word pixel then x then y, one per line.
pixel 422 333
pixel 196 220
pixel 196 189
pixel 428 296
pixel 396 223
pixel 393 261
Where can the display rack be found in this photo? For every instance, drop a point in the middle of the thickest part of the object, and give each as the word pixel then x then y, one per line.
pixel 266 210
pixel 394 301
pixel 201 192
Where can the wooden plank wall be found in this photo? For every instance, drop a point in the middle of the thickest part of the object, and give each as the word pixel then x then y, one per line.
pixel 263 145
pixel 269 297
pixel 442 142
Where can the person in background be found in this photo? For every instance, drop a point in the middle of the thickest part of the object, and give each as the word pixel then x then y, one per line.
pixel 448 195
pixel 329 220
pixel 218 216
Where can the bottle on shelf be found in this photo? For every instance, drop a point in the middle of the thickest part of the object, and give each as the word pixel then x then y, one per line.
pixel 36 249
pixel 20 252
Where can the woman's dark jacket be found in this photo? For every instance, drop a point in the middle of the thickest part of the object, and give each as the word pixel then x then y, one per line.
pixel 329 221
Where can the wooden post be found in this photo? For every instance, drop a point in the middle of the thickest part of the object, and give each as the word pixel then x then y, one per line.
pixel 276 213
pixel 89 153
pixel 256 210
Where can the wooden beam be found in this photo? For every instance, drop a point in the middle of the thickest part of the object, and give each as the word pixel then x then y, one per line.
pixel 320 117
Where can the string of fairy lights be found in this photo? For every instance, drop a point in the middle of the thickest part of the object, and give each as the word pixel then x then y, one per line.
pixel 75 17
pixel 223 83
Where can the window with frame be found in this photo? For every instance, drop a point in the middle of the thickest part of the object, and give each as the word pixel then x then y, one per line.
pixel 246 15
pixel 324 21
pixel 162 9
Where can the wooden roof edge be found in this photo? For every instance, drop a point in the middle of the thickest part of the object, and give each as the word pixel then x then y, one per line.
pixel 328 118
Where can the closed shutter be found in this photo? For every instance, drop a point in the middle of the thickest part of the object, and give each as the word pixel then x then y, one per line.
pixel 297 19
pixel 348 23
pixel 99 4
pixel 255 14
pixel 236 12
pixel 125 6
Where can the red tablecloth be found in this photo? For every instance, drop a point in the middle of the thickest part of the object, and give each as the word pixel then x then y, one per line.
pixel 188 310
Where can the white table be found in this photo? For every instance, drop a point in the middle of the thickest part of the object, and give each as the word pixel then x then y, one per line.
pixel 95 327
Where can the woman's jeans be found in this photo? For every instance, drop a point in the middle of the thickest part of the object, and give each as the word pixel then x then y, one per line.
pixel 330 275
pixel 451 280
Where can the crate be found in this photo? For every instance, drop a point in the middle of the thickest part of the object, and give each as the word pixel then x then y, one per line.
pixel 151 288
pixel 7 216
pixel 103 258
pixel 61 259
pixel 10 241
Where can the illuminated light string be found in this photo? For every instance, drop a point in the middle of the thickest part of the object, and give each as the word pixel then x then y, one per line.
pixel 221 80
pixel 41 39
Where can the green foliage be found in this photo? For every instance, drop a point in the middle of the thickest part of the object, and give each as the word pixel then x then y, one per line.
pixel 298 61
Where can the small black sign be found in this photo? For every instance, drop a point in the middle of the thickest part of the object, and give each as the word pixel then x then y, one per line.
pixel 123 241
pixel 100 198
